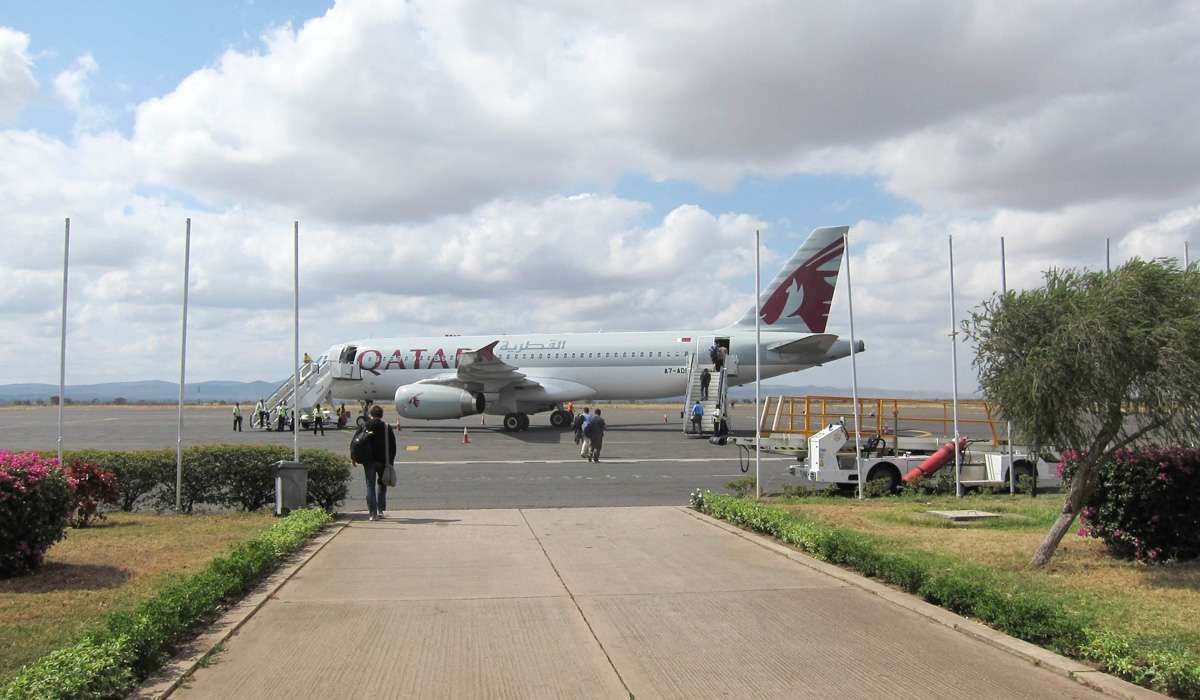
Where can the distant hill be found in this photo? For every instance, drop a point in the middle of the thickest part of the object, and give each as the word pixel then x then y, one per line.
pixel 152 391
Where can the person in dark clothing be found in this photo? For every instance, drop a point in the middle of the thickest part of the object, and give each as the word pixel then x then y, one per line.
pixel 705 377
pixel 383 453
pixel 697 414
pixel 595 430
pixel 720 362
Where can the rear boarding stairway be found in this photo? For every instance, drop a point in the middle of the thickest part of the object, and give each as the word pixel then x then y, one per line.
pixel 718 385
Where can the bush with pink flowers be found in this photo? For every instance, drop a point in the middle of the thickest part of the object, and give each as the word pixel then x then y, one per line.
pixel 93 486
pixel 35 500
pixel 1146 504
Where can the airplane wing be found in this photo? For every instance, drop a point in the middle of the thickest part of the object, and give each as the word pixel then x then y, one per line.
pixel 481 370
pixel 815 345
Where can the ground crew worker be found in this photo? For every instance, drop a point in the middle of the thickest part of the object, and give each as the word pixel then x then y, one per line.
pixel 264 420
pixel 237 417
pixel 280 417
pixel 307 359
pixel 318 419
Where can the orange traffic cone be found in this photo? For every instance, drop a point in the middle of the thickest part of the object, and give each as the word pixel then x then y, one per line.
pixel 466 438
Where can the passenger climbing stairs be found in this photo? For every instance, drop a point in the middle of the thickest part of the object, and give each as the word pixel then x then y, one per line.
pixel 717 387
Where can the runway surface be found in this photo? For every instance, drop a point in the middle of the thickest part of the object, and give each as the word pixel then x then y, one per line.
pixel 646 461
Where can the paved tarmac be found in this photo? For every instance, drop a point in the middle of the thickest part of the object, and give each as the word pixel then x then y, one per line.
pixel 590 603
pixel 646 461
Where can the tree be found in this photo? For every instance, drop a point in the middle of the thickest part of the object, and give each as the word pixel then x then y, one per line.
pixel 1094 362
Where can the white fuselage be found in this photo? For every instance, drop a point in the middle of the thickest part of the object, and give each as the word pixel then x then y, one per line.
pixel 620 365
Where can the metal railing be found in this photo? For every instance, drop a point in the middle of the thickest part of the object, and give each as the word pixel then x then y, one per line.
pixel 887 417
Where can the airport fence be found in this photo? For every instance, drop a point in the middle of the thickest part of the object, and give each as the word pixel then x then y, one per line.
pixel 238 477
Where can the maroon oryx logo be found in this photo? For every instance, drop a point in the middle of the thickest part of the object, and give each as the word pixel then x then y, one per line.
pixel 806 293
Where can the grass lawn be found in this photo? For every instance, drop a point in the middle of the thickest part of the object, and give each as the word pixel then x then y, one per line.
pixel 111 566
pixel 1160 604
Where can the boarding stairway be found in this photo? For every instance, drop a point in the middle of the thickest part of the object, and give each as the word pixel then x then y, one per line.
pixel 717 387
pixel 316 380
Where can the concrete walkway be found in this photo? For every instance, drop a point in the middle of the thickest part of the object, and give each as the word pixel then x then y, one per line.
pixel 590 603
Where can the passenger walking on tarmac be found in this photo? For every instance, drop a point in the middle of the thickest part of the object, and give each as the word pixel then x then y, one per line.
pixel 705 377
pixel 383 453
pixel 318 419
pixel 697 416
pixel 343 416
pixel 264 420
pixel 577 426
pixel 237 418
pixel 585 446
pixel 596 428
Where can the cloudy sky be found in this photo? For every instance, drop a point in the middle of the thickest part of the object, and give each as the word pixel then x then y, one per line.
pixel 487 167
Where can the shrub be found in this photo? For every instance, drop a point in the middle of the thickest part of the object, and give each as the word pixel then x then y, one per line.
pixel 233 476
pixel 201 481
pixel 35 500
pixel 877 488
pixel 1146 504
pixel 328 477
pixel 741 487
pixel 139 472
pixel 128 647
pixel 93 485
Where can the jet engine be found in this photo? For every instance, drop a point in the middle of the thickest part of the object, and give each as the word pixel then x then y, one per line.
pixel 435 402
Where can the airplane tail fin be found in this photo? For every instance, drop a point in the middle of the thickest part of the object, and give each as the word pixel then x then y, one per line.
pixel 798 298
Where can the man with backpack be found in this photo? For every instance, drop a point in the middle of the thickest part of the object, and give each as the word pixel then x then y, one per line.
pixel 577 426
pixel 697 416
pixel 585 446
pixel 374 447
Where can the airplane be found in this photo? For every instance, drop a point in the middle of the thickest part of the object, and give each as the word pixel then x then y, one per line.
pixel 435 378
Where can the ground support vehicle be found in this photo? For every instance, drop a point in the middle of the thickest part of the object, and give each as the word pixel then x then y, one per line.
pixel 827 461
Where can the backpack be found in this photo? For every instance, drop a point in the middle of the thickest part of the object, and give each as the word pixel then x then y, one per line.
pixel 587 429
pixel 360 446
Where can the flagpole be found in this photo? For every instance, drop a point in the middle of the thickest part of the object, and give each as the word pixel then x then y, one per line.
pixel 62 350
pixel 958 491
pixel 1012 475
pixel 187 261
pixel 757 370
pixel 853 368
pixel 296 345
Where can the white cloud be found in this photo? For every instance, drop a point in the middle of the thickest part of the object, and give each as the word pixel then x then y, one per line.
pixel 17 84
pixel 435 153
pixel 73 86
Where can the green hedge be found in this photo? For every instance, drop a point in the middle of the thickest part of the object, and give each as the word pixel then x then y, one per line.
pixel 233 476
pixel 1036 613
pixel 128 647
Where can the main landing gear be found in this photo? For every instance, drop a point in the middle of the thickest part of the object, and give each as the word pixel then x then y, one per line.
pixel 561 419
pixel 516 421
